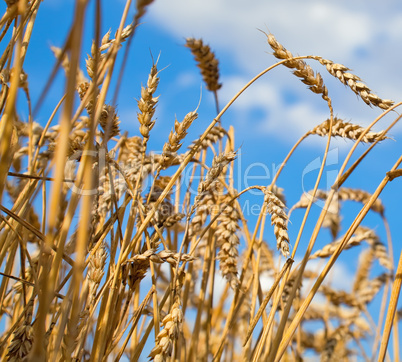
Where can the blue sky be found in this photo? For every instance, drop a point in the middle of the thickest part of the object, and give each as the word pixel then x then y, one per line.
pixel 271 115
pixel 278 109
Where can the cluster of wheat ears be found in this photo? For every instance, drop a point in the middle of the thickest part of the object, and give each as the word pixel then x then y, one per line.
pixel 97 267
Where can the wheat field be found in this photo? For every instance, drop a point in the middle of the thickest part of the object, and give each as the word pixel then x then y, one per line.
pixel 111 250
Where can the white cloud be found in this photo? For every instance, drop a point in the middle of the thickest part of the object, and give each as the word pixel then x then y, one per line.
pixel 258 94
pixel 339 277
pixel 275 115
pixel 334 29
pixel 364 36
pixel 186 79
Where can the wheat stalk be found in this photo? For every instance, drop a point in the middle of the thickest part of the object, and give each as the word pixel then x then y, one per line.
pixel 101 249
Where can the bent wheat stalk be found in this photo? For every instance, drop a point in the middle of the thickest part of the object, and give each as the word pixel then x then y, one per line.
pixel 297 319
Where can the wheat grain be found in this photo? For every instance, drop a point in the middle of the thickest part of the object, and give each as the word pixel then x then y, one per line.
pixel 377 250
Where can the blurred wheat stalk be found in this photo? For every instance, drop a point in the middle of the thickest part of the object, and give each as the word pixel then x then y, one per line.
pixel 97 267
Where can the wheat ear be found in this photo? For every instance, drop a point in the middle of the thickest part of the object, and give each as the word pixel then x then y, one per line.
pixel 206 61
pixel 339 71
pixel 275 207
pixel 228 241
pixel 346 130
pixel 173 145
pixel 147 103
pixel 218 164
pixel 302 70
pixel 172 324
